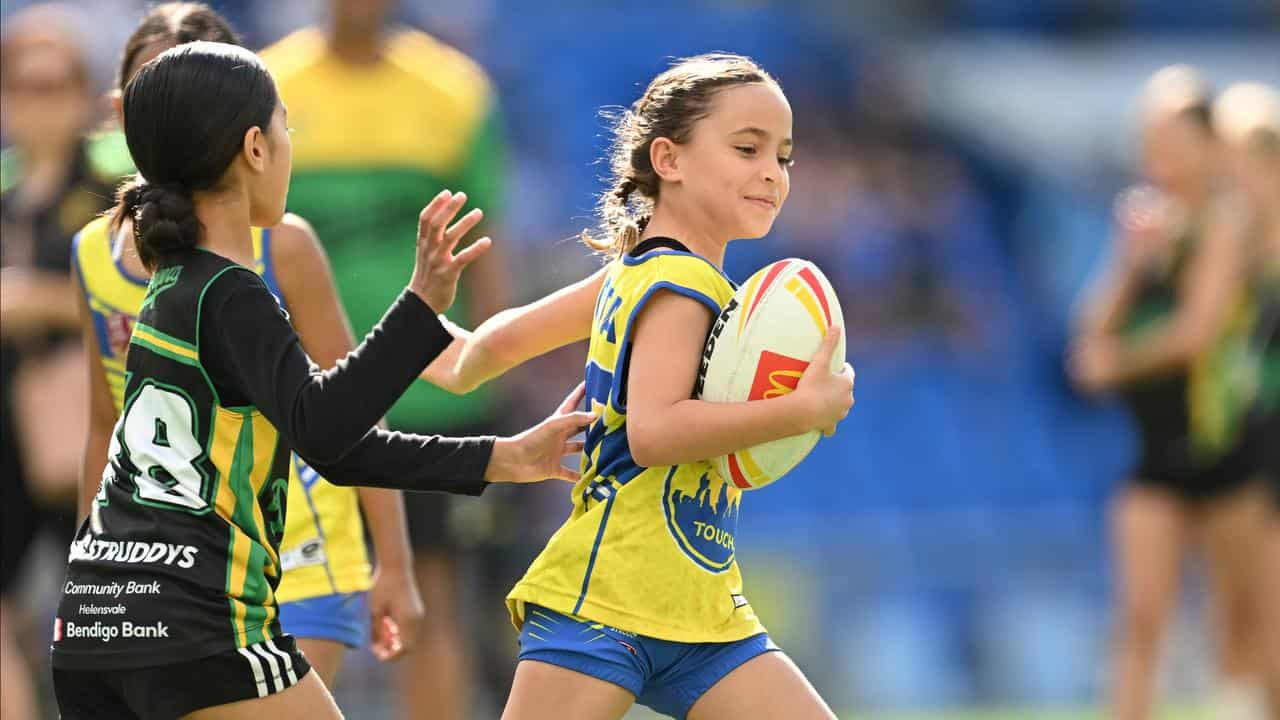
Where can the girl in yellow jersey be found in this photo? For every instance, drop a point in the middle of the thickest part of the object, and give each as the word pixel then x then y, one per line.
pixel 638 597
pixel 328 592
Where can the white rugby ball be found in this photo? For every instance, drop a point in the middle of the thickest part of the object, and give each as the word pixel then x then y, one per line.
pixel 757 350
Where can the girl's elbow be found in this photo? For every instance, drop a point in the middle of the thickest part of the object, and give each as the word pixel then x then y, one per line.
pixel 643 458
pixel 646 449
pixel 478 363
pixel 330 470
pixel 317 456
pixel 321 450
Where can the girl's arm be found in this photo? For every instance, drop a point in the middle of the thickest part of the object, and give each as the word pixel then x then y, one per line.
pixel 306 280
pixel 102 415
pixel 666 427
pixel 249 347
pixel 1142 219
pixel 516 336
pixel 1108 300
pixel 1205 296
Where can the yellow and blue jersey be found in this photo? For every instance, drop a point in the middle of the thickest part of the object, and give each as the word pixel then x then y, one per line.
pixel 647 550
pixel 323 550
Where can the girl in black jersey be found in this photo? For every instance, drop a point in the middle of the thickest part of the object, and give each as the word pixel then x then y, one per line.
pixel 321 597
pixel 1155 328
pixel 1247 118
pixel 168 608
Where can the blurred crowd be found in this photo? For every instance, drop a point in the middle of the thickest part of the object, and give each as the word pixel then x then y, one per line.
pixel 948 547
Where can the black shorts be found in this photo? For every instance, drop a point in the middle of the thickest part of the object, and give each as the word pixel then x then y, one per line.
pixel 1229 473
pixel 168 692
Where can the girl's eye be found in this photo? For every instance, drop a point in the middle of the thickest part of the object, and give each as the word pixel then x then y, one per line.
pixel 746 150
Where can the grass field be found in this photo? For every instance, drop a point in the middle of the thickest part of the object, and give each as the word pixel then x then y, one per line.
pixel 1015 714
pixel 1186 713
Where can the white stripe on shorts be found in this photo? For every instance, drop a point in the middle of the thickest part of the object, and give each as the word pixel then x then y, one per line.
pixel 257 671
pixel 271 660
pixel 288 661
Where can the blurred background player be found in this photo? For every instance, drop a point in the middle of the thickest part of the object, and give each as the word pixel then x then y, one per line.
pixel 1160 327
pixel 50 187
pixel 1247 119
pixel 385 116
pixel 327 594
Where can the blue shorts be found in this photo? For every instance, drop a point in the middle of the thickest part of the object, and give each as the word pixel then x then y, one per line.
pixel 668 677
pixel 341 618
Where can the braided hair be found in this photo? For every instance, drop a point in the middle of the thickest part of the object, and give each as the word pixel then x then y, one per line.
pixel 669 107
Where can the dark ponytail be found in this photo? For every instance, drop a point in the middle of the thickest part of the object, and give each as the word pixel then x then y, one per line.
pixel 164 219
pixel 185 117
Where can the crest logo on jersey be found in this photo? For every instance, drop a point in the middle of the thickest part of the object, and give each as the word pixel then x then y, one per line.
pixel 162 280
pixel 703 520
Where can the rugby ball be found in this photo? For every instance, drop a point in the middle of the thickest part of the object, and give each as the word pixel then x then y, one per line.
pixel 758 348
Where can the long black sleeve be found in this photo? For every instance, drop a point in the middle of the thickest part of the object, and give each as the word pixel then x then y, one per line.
pixel 253 355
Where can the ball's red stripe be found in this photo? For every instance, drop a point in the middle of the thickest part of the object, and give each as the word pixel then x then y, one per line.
pixel 807 275
pixel 735 473
pixel 769 277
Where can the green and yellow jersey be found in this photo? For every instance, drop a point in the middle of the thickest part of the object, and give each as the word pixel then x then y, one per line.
pixel 323 550
pixel 420 119
pixel 1267 339
pixel 1191 418
pixel 180 557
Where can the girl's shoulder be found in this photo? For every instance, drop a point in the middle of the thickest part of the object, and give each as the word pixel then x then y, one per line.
pixel 662 259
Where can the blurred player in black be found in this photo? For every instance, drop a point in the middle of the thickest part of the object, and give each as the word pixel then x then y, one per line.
pixel 51 185
pixel 1161 326
pixel 1247 118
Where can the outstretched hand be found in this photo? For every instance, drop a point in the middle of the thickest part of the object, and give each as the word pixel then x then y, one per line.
pixel 436 271
pixel 536 453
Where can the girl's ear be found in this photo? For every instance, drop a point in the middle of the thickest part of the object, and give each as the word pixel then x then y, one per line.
pixel 255 149
pixel 664 155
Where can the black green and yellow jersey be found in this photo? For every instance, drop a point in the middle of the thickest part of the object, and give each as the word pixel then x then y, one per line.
pixel 323 551
pixel 180 557
pixel 187 523
pixel 1266 336
pixel 1192 417
pixel 372 144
